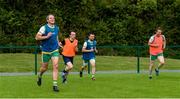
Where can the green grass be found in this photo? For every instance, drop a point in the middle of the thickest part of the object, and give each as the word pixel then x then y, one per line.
pixel 22 62
pixel 106 85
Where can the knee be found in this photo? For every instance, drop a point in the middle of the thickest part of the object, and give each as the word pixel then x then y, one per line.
pixel 93 65
pixel 44 68
pixel 55 66
pixel 70 66
pixel 162 63
pixel 151 64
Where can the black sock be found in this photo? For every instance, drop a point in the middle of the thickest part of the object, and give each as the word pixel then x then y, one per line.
pixel 40 75
pixel 82 69
pixel 65 71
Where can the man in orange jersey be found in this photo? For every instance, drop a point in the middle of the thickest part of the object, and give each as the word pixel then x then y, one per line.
pixel 157 44
pixel 70 47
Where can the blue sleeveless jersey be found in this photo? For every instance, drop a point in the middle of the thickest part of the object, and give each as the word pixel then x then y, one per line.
pixel 89 55
pixel 50 44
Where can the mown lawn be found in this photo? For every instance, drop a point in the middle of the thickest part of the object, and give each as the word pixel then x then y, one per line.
pixel 105 86
pixel 23 62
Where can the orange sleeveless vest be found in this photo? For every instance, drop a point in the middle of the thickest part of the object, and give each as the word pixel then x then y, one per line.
pixel 69 48
pixel 159 41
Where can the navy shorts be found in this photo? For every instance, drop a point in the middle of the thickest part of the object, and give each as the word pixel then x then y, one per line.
pixel 67 59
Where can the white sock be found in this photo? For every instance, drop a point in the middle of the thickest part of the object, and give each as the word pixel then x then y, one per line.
pixel 92 75
pixel 54 83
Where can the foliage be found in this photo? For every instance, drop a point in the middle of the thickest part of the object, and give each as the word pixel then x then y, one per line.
pixel 117 22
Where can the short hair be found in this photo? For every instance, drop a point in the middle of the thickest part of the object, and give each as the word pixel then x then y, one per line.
pixel 72 32
pixel 47 17
pixel 158 28
pixel 91 33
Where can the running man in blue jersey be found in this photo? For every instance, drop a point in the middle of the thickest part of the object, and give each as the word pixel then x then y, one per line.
pixel 89 49
pixel 48 35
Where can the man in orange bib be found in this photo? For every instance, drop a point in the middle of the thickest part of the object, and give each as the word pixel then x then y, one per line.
pixel 157 44
pixel 70 47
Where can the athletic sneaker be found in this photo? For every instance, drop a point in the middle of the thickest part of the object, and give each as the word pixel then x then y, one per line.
pixel 150 76
pixel 157 72
pixel 64 77
pixel 55 89
pixel 39 81
pixel 93 78
pixel 80 73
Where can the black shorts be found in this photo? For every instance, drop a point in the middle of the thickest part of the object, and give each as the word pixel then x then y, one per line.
pixel 67 59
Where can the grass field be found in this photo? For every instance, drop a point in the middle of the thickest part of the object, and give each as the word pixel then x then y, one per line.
pixel 21 62
pixel 106 86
